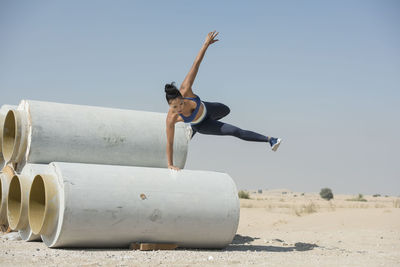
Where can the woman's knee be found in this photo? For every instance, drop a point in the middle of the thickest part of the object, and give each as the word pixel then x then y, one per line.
pixel 227 110
pixel 216 110
pixel 223 110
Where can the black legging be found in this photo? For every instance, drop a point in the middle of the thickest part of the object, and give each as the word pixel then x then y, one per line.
pixel 211 125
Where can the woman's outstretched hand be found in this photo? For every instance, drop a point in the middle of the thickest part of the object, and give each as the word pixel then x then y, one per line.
pixel 210 38
pixel 173 167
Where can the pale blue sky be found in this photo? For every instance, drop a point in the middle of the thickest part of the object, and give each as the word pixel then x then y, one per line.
pixel 322 75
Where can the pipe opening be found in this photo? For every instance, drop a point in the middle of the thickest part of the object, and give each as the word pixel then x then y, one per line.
pixel 1 193
pixel 14 202
pixel 37 204
pixel 9 131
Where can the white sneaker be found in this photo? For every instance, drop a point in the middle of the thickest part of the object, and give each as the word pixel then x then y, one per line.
pixel 275 142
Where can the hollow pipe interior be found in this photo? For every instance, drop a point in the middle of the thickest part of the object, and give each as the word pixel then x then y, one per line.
pixel 37 204
pixel 14 202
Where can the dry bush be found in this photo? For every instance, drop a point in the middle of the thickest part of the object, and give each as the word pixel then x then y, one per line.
pixel 396 203
pixel 360 197
pixel 305 209
pixel 244 194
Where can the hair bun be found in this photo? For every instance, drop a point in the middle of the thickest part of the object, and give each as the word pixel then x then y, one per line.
pixel 171 92
pixel 170 88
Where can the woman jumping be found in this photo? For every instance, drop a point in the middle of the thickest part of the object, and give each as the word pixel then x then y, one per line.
pixel 203 116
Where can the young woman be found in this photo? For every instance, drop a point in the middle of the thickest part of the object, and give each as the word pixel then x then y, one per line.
pixel 203 116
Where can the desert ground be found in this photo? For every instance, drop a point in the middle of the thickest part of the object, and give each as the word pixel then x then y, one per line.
pixel 276 228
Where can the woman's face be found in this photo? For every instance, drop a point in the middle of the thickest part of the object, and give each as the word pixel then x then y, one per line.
pixel 177 105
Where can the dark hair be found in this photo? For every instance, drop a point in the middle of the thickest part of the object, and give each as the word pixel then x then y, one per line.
pixel 171 92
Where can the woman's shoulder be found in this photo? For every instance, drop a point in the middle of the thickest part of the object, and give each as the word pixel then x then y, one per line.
pixel 194 96
pixel 188 93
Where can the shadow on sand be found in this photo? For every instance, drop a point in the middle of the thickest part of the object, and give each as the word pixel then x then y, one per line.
pixel 240 243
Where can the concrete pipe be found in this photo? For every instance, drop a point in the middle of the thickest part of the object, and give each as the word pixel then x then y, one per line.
pixel 29 172
pixel 3 112
pixel 87 205
pixel 43 132
pixel 5 179
pixel 18 197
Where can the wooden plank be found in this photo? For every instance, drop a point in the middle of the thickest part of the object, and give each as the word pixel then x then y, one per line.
pixel 134 246
pixel 152 246
pixel 156 246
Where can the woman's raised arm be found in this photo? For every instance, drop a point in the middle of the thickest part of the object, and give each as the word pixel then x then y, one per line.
pixel 186 86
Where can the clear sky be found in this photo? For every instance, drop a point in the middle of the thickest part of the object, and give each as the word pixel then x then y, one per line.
pixel 322 75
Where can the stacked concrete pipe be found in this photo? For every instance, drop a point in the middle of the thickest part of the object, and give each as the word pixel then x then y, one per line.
pixel 112 187
pixel 3 112
pixel 18 197
pixel 43 132
pixel 87 205
pixel 5 179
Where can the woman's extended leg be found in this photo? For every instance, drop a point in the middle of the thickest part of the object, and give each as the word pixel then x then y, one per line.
pixel 214 127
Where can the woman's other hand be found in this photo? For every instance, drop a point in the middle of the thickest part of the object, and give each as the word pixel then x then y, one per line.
pixel 210 38
pixel 173 167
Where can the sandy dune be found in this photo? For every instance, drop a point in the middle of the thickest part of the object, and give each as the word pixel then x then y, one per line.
pixel 277 228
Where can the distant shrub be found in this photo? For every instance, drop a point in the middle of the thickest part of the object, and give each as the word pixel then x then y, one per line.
pixel 360 197
pixel 376 195
pixel 259 191
pixel 243 194
pixel 326 193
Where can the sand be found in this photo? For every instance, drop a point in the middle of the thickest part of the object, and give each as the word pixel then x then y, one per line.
pixel 276 228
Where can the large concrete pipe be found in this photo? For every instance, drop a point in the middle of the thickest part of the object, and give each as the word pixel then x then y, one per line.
pixel 42 132
pixel 87 205
pixel 28 173
pixel 18 198
pixel 3 112
pixel 5 179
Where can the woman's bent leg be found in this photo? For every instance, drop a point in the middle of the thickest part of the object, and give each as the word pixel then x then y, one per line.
pixel 216 110
pixel 214 127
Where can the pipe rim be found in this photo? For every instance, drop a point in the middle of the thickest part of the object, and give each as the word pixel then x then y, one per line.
pixel 10 135
pixel 5 178
pixel 43 204
pixel 1 192
pixel 14 202
pixel 37 204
